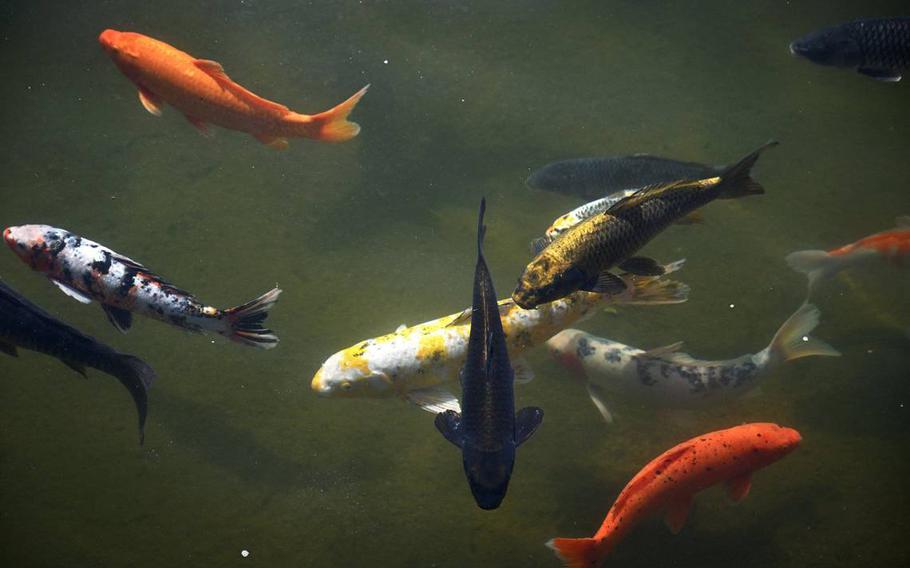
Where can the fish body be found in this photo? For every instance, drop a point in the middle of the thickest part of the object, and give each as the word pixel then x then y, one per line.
pixel 86 271
pixel 418 363
pixel 593 178
pixel 892 245
pixel 25 325
pixel 203 92
pixel 875 47
pixel 580 258
pixel 667 377
pixel 668 484
pixel 487 430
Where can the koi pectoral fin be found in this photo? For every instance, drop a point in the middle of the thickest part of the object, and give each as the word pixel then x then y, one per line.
pixel 77 295
pixel 273 142
pixel 677 512
pixel 606 283
pixel 150 101
pixel 449 425
pixel 738 487
pixel 642 266
pixel 119 318
pixel 527 420
pixel 201 126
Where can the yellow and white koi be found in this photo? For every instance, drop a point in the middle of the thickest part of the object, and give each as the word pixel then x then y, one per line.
pixel 417 363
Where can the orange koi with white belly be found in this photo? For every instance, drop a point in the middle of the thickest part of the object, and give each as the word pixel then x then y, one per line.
pixel 892 245
pixel 668 484
pixel 203 92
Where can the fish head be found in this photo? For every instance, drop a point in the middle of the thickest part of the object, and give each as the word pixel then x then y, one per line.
pixel 771 441
pixel 555 177
pixel 561 225
pixel 488 473
pixel 569 347
pixel 121 47
pixel 36 245
pixel 347 374
pixel 544 281
pixel 835 47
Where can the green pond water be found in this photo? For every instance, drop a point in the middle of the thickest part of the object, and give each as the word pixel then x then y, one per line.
pixel 466 100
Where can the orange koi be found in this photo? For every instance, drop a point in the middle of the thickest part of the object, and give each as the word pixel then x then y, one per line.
pixel 203 92
pixel 892 245
pixel 669 482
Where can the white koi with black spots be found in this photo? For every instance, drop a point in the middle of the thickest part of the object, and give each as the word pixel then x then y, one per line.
pixel 667 377
pixel 86 271
pixel 420 363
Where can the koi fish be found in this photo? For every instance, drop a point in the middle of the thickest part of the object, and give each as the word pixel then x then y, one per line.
pixel 668 377
pixel 203 92
pixel 23 324
pixel 892 245
pixel 591 178
pixel 668 484
pixel 588 210
pixel 419 363
pixel 875 47
pixel 487 431
pixel 581 258
pixel 86 271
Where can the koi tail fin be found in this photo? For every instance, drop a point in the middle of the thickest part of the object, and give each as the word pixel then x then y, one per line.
pixel 654 290
pixel 815 264
pixel 137 376
pixel 244 323
pixel 577 552
pixel 792 340
pixel 333 125
pixel 736 180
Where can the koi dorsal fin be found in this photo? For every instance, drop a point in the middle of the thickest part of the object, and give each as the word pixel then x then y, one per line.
pixel 655 190
pixel 216 72
pixel 652 473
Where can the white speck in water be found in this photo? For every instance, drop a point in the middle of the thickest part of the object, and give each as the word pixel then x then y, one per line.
pixel 244 553
pixel 732 306
pixel 869 351
pixel 385 61
pixel 213 342
pixel 462 100
pixel 805 338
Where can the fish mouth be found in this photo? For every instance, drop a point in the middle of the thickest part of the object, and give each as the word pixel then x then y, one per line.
pixel 107 39
pixel 9 238
pixel 797 49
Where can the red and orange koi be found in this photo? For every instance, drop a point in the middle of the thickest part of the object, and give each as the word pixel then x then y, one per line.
pixel 668 484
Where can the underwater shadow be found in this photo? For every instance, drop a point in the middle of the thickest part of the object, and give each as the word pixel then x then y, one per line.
pixel 207 432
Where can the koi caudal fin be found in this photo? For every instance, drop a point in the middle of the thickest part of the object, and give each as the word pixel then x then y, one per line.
pixel 736 180
pixel 815 264
pixel 333 125
pixel 244 323
pixel 792 340
pixel 577 552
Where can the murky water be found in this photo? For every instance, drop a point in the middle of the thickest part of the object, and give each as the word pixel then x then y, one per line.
pixel 466 99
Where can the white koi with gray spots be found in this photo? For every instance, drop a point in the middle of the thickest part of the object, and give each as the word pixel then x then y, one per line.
pixel 420 363
pixel 86 271
pixel 667 377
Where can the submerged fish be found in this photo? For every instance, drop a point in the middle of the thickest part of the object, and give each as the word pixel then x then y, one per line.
pixel 667 377
pixel 203 92
pixel 875 47
pixel 86 271
pixel 581 257
pixel 668 484
pixel 420 363
pixel 488 431
pixel 588 210
pixel 23 324
pixel 892 245
pixel 593 178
